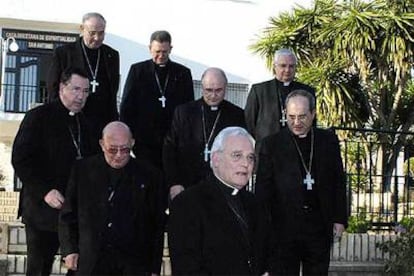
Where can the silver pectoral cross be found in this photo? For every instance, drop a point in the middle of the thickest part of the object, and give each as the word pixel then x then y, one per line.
pixel 283 120
pixel 94 84
pixel 206 153
pixel 308 181
pixel 162 99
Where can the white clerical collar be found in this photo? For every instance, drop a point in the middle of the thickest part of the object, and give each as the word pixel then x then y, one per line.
pixel 72 113
pixel 235 190
pixel 214 108
pixel 287 83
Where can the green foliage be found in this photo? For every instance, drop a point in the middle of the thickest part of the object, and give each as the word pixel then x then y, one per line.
pixel 358 223
pixel 401 250
pixel 407 223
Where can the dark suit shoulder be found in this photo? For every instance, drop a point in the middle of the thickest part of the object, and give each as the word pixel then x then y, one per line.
pixel 109 49
pixel 175 65
pixel 264 83
pixel 189 106
pixel 141 64
pixel 232 107
pixel 326 134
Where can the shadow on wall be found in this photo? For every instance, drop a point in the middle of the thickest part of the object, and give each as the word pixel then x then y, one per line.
pixel 132 52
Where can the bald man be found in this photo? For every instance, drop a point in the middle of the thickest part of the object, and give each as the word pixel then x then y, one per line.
pixel 112 221
pixel 195 125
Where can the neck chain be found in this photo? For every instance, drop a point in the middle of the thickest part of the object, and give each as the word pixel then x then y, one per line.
pixel 76 140
pixel 283 119
pixel 162 99
pixel 308 181
pixel 94 73
pixel 207 141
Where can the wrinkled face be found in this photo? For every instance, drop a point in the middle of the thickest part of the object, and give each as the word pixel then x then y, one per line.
pixel 235 164
pixel 93 32
pixel 116 147
pixel 74 93
pixel 299 116
pixel 285 68
pixel 214 89
pixel 160 51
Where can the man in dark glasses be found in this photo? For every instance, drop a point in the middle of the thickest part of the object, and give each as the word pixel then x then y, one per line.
pixel 112 220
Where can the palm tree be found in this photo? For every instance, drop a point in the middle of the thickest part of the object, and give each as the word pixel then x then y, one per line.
pixel 359 56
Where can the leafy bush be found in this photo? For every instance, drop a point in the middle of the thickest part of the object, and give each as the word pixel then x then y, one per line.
pixel 401 250
pixel 405 225
pixel 358 223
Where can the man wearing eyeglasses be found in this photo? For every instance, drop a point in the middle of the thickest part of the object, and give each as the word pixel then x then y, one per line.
pixel 100 61
pixel 112 220
pixel 50 138
pixel 301 181
pixel 186 152
pixel 265 109
pixel 215 227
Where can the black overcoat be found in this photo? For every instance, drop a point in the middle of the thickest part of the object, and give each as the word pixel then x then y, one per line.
pixel 280 183
pixel 142 111
pixel 262 108
pixel 83 218
pixel 101 107
pixel 183 152
pixel 42 156
pixel 205 237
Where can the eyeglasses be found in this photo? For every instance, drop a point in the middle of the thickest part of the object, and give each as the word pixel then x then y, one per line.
pixel 213 91
pixel 121 150
pixel 77 90
pixel 284 65
pixel 300 118
pixel 96 33
pixel 237 156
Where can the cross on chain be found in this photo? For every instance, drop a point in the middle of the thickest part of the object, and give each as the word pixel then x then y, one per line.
pixel 283 120
pixel 308 181
pixel 206 153
pixel 94 84
pixel 162 100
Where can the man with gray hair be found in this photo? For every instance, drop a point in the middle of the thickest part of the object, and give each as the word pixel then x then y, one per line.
pixel 265 109
pixel 100 61
pixel 216 227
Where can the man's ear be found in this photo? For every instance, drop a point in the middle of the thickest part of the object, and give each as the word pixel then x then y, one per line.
pixel 214 159
pixel 101 143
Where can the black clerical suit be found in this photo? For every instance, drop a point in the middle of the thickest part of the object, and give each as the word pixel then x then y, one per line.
pixel 101 106
pixel 302 220
pixel 207 238
pixel 184 144
pixel 43 152
pixel 264 103
pixel 142 110
pixel 113 218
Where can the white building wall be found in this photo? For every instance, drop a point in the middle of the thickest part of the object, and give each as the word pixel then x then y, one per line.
pixel 205 32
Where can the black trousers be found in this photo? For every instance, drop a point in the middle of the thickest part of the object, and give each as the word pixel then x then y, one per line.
pixel 113 262
pixel 42 247
pixel 309 249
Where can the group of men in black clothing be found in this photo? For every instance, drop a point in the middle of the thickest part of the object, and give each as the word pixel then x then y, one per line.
pixel 98 184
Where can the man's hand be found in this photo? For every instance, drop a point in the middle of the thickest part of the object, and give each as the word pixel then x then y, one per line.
pixel 175 190
pixel 71 261
pixel 338 229
pixel 54 199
